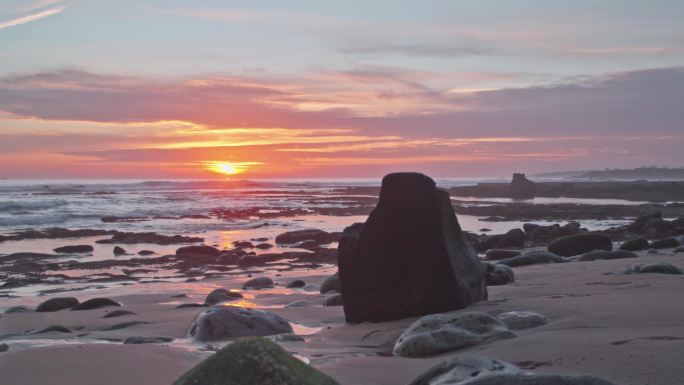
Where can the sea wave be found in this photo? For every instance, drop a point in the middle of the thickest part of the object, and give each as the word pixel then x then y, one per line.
pixel 32 205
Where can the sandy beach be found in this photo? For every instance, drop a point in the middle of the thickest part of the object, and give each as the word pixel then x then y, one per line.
pixel 624 328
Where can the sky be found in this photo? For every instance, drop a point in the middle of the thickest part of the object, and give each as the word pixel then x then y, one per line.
pixel 323 89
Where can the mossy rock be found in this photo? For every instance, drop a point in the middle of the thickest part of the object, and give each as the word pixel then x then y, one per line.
pixel 252 361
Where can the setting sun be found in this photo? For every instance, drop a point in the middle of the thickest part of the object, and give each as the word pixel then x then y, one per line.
pixel 228 168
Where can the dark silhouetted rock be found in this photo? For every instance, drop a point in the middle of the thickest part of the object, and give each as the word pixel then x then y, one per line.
pixel 222 295
pixel 226 322
pixel 197 251
pixel 499 254
pixel 258 283
pixel 658 228
pixel 57 303
pixel 253 361
pixel 579 244
pixel 95 303
pixel 154 238
pixel 602 254
pixel 4 347
pixel 297 283
pixel 318 236
pixel 146 252
pixel 118 250
pixel 263 246
pixel 535 257
pixel 410 257
pixel 74 249
pixel 635 244
pixel 498 274
pixel 664 243
pixel 521 187
pixel 331 283
pixel 640 222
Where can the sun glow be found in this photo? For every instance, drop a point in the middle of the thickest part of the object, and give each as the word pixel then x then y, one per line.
pixel 228 168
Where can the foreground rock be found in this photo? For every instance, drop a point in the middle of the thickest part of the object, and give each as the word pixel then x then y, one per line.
pixel 518 320
pixel 57 303
pixel 579 244
pixel 253 361
pixel 469 370
pixel 410 257
pixel 439 333
pixel 498 274
pixel 222 323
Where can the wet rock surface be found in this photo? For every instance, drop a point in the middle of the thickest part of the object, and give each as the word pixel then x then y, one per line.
pixel 580 243
pixel 534 257
pixel 410 257
pixel 439 333
pixel 221 295
pixel 56 304
pixel 258 283
pixel 222 323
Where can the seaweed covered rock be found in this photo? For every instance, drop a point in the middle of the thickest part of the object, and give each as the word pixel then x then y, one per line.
pixel 580 243
pixel 439 333
pixel 253 361
pixel 410 258
pixel 226 322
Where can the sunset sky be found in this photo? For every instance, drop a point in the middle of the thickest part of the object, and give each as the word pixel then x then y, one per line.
pixel 311 88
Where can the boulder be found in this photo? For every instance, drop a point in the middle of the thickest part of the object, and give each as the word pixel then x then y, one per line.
pixel 118 250
pixel 635 244
pixel 517 320
pixel 499 254
pixel 602 254
pixel 221 295
pixel 198 251
pixel 653 267
pixel 227 322
pixel 579 244
pixel 331 283
pixel 334 300
pixel 534 257
pixel 639 222
pixel 318 236
pixel 57 303
pixel 258 283
pixel 498 274
pixel 74 249
pixel 470 370
pixel 658 228
pixel 439 333
pixel 95 303
pixel 410 258
pixel 664 243
pixel 252 361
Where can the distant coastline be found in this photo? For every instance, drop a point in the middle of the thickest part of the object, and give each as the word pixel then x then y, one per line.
pixel 639 173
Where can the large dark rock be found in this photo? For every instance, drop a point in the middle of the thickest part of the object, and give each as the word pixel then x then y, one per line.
pixel 95 303
pixel 197 251
pixel 57 303
pixel 410 257
pixel 315 235
pixel 665 243
pixel 252 361
pixel 640 222
pixel 521 187
pixel 579 244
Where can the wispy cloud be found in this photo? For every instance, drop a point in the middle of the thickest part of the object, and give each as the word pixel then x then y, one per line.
pixel 32 17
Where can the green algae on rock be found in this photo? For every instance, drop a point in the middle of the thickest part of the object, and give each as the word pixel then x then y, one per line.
pixel 251 361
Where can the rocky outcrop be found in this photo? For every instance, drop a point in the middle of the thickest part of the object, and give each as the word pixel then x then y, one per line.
pixel 226 322
pixel 253 361
pixel 579 244
pixel 410 257
pixel 521 187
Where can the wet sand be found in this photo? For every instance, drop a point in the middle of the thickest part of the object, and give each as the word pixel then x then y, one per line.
pixel 624 328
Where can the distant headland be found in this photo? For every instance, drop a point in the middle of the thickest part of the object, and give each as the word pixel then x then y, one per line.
pixel 639 173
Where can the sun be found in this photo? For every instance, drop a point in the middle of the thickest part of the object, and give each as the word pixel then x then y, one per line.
pixel 227 168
